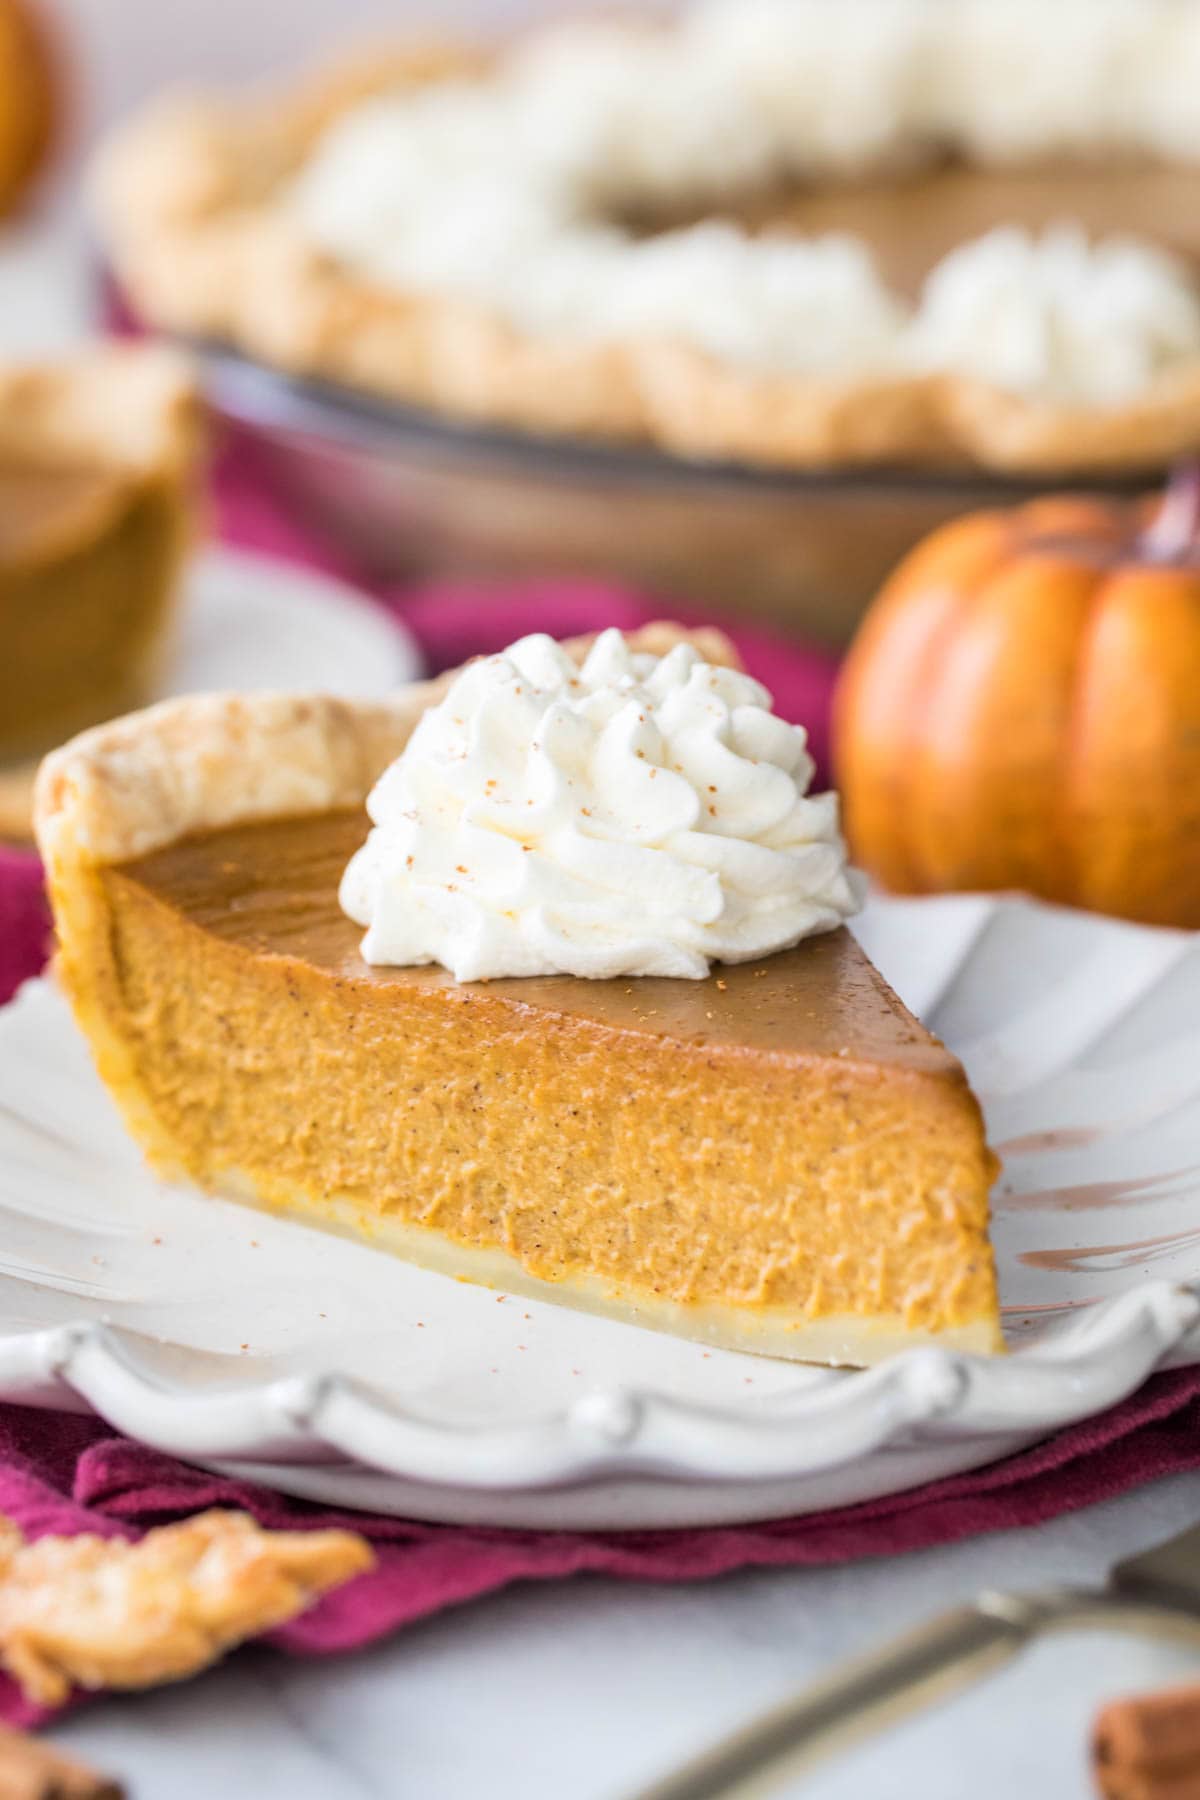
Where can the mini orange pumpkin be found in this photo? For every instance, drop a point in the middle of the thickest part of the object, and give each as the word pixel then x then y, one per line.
pixel 28 99
pixel 1021 709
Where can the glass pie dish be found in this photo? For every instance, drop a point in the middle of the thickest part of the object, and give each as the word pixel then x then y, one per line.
pixel 405 494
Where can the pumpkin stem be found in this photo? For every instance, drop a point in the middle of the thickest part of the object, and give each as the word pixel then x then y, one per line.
pixel 1176 528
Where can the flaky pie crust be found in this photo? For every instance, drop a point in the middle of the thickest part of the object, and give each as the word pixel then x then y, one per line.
pixel 186 194
pixel 95 1612
pixel 132 408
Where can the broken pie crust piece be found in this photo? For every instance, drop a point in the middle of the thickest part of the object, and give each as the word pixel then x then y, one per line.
pixel 95 1612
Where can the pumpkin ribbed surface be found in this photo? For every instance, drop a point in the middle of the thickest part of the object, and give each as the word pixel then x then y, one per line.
pixel 1021 710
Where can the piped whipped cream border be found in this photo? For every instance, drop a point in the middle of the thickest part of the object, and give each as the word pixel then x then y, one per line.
pixel 503 191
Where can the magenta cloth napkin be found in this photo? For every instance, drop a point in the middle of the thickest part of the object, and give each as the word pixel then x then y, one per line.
pixel 61 1473
pixel 24 920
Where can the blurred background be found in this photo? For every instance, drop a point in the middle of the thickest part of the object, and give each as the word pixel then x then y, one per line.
pixel 126 49
pixel 1011 210
pixel 1019 713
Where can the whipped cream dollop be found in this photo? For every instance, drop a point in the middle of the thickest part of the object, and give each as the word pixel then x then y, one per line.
pixel 1055 314
pixel 637 815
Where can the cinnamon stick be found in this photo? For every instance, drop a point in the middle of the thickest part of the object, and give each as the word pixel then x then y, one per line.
pixel 30 1770
pixel 1147 1747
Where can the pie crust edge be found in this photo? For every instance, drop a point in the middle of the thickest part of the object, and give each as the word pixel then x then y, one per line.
pixel 204 761
pixel 126 407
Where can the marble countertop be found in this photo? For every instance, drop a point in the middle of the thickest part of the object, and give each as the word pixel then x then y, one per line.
pixel 583 1690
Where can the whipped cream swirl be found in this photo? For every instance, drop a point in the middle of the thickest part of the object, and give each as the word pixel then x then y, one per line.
pixel 637 815
pixel 1057 315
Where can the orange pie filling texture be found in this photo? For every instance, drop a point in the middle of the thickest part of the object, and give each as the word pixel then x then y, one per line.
pixel 779 1143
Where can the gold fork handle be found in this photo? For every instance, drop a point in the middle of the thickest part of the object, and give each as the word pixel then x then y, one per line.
pixel 932 1662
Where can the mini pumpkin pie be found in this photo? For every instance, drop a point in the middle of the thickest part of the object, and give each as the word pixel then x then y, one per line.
pixel 606 1038
pixel 97 464
pixel 920 232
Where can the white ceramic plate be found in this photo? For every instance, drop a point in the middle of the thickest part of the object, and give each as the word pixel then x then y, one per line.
pixel 253 622
pixel 331 1370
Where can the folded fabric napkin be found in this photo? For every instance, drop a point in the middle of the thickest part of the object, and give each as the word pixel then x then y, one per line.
pixel 24 920
pixel 60 1473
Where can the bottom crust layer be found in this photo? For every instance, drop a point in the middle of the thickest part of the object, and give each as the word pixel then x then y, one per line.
pixel 844 1341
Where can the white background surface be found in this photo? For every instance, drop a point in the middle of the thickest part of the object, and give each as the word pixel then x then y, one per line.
pixel 576 1691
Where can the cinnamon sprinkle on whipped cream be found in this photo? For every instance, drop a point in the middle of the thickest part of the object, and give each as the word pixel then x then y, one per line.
pixel 636 815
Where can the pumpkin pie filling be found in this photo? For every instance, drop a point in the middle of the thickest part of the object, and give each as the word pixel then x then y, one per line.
pixel 778 1157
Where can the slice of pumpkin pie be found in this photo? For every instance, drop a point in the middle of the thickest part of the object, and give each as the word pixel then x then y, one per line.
pixel 99 462
pixel 537 975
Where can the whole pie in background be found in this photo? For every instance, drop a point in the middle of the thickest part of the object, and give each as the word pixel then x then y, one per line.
pixel 928 233
pixel 99 462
